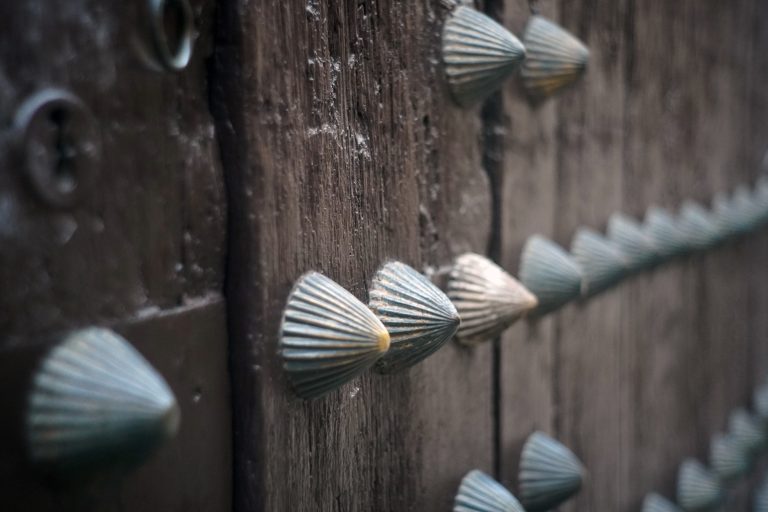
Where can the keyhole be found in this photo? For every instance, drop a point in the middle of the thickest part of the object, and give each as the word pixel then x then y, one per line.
pixel 66 152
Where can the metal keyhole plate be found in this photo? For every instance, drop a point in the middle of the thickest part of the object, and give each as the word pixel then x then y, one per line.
pixel 59 146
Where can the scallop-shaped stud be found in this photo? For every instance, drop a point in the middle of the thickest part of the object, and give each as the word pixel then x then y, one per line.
pixel 481 493
pixel 729 221
pixel 419 317
pixel 634 243
pixel 747 431
pixel 478 54
pixel 327 336
pixel 555 58
pixel 745 207
pixel 488 299
pixel 602 263
pixel 667 237
pixel 700 227
pixel 760 401
pixel 96 403
pixel 697 487
pixel 550 273
pixel 549 473
pixel 761 497
pixel 727 458
pixel 655 503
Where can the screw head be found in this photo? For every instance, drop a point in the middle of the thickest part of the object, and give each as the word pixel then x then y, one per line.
pixel 58 146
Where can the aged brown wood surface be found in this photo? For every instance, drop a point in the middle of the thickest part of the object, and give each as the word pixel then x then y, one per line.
pixel 318 135
pixel 343 151
pixel 144 247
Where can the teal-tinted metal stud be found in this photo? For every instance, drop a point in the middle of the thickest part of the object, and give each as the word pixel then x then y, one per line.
pixel 481 493
pixel 550 273
pixel 550 473
pixel 700 228
pixel 419 317
pixel 97 404
pixel 656 503
pixel 555 58
pixel 667 237
pixel 327 336
pixel 698 489
pixel 633 242
pixel 488 299
pixel 747 431
pixel 727 458
pixel 602 263
pixel 478 54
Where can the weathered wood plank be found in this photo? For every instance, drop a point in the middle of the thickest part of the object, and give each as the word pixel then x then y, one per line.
pixel 342 151
pixel 527 143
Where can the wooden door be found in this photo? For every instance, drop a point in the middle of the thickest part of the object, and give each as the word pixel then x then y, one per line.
pixel 319 135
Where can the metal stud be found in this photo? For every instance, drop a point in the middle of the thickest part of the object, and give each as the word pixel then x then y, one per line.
pixel 327 336
pixel 656 503
pixel 555 58
pixel 698 489
pixel 700 228
pixel 602 263
pixel 550 273
pixel 478 54
pixel 549 473
pixel 419 317
pixel 96 403
pixel 747 431
pixel 58 146
pixel 727 458
pixel 634 243
pixel 481 493
pixel 667 237
pixel 488 299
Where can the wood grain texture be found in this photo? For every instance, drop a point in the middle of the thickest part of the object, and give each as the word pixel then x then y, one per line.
pixel 144 246
pixel 342 151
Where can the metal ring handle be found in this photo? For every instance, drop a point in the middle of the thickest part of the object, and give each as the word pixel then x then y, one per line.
pixel 167 58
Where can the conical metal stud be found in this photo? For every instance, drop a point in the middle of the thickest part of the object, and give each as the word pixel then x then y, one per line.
pixel 481 493
pixel 96 403
pixel 746 208
pixel 634 243
pixel 419 317
pixel 700 228
pixel 478 54
pixel 488 299
pixel 327 336
pixel 555 58
pixel 698 489
pixel 730 220
pixel 667 237
pixel 747 431
pixel 727 458
pixel 656 503
pixel 602 263
pixel 549 473
pixel 550 273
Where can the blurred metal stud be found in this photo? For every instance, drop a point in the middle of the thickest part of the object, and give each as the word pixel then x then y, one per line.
pixel 727 458
pixel 327 336
pixel 58 146
pixel 549 473
pixel 555 58
pixel 96 403
pixel 550 273
pixel 602 263
pixel 698 489
pixel 656 503
pixel 667 236
pixel 419 317
pixel 747 431
pixel 488 299
pixel 634 243
pixel 700 227
pixel 481 493
pixel 478 54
